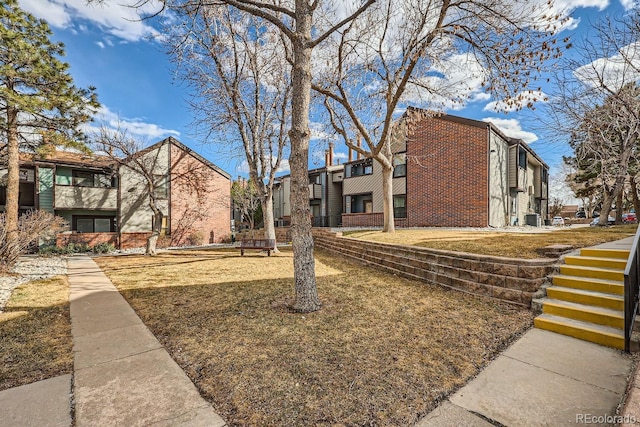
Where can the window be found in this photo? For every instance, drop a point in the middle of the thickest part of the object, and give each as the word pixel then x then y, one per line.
pixel 93 224
pixel 359 169
pixel 362 203
pixel 400 206
pixel 161 190
pixel 545 175
pixel 93 179
pixel 399 165
pixel 522 158
pixel 83 179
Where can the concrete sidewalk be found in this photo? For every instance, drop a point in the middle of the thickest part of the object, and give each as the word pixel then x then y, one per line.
pixel 122 375
pixel 543 379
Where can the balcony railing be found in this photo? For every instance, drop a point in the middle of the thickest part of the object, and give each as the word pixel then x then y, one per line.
pixel 631 290
pixel 71 197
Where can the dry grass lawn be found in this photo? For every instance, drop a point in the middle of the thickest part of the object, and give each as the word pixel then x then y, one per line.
pixel 382 351
pixel 506 244
pixel 35 332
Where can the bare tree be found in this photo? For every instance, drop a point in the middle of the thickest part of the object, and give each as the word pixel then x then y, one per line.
pixel 241 87
pixel 597 104
pixel 151 170
pixel 304 25
pixel 32 226
pixel 128 152
pixel 246 200
pixel 425 53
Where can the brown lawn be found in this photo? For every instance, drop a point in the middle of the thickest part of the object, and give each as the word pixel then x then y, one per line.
pixel 382 351
pixel 499 243
pixel 35 333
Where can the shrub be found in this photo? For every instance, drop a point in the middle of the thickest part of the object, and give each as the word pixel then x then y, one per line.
pixel 32 226
pixel 103 248
pixel 195 238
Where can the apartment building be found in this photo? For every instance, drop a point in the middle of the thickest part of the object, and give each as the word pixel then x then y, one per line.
pixel 449 171
pixel 102 201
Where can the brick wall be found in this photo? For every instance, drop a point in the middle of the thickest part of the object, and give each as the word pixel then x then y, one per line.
pixel 447 174
pixel 374 219
pixel 506 279
pixel 200 201
pixel 90 239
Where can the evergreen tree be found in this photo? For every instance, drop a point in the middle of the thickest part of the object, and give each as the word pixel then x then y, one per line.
pixel 39 104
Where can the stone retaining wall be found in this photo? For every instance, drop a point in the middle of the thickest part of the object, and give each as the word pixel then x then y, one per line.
pixel 505 279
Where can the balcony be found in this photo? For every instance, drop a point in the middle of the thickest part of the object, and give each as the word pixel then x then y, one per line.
pixel 315 191
pixel 71 197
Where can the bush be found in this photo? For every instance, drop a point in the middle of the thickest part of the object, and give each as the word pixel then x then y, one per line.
pixel 32 226
pixel 103 248
pixel 195 238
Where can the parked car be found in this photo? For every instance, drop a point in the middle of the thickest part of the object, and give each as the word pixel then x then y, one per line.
pixel 557 220
pixel 596 221
pixel 581 214
pixel 629 218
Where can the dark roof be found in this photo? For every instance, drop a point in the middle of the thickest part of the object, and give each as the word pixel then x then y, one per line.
pixel 68 158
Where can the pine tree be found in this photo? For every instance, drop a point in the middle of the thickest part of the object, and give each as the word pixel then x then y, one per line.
pixel 38 99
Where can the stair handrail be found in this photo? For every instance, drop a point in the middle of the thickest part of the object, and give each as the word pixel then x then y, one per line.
pixel 631 289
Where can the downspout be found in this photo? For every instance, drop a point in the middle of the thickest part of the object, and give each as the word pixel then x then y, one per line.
pixel 489 176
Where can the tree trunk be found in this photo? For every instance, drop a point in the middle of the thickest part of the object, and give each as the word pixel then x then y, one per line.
pixel 387 198
pixel 634 195
pixel 155 232
pixel 306 293
pixel 267 215
pixel 13 177
pixel 619 204
pixel 609 197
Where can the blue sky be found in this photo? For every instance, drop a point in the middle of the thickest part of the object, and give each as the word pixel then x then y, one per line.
pixel 107 47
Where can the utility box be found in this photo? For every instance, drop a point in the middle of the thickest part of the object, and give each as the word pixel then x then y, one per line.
pixel 532 220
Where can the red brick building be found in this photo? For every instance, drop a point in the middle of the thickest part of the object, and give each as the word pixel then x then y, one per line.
pixel 451 172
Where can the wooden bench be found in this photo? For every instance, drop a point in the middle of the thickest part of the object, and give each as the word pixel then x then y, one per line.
pixel 261 244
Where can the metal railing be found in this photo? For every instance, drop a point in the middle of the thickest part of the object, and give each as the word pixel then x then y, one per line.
pixel 631 290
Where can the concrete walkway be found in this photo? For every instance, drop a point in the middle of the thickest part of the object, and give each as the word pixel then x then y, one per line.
pixel 122 375
pixel 544 379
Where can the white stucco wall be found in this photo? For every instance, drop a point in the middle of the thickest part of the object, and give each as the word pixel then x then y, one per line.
pixel 498 181
pixel 136 215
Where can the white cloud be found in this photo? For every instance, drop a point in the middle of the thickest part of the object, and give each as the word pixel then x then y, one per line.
pixel 628 4
pixel 613 72
pixel 113 17
pixel 453 81
pixel 137 127
pixel 100 44
pixel 519 101
pixel 512 128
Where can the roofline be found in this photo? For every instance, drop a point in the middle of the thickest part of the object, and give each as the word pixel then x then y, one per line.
pixel 172 140
pixel 482 124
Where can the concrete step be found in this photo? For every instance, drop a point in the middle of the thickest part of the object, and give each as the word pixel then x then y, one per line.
pixel 598 334
pixel 605 253
pixel 581 296
pixel 589 261
pixel 585 313
pixel 593 272
pixel 589 284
